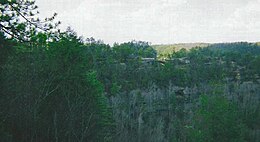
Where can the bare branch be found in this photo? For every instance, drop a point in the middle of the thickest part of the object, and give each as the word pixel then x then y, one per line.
pixel 29 20
pixel 5 29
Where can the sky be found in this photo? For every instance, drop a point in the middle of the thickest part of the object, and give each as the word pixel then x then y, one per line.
pixel 158 21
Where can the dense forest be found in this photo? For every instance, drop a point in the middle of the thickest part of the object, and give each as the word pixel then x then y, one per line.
pixel 58 87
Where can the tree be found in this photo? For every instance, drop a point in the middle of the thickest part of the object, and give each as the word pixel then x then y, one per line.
pixel 217 120
pixel 19 20
pixel 51 93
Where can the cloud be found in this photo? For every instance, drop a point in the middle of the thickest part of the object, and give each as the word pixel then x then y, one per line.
pixel 245 21
pixel 162 21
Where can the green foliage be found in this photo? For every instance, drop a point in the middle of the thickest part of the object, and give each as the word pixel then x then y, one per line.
pixel 58 87
pixel 53 93
pixel 217 120
pixel 133 50
pixel 115 88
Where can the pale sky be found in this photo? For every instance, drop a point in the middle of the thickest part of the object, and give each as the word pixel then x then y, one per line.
pixel 159 21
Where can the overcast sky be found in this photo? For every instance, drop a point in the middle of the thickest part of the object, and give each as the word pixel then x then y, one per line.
pixel 159 21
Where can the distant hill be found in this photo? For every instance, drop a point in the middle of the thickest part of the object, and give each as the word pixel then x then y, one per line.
pixel 169 48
